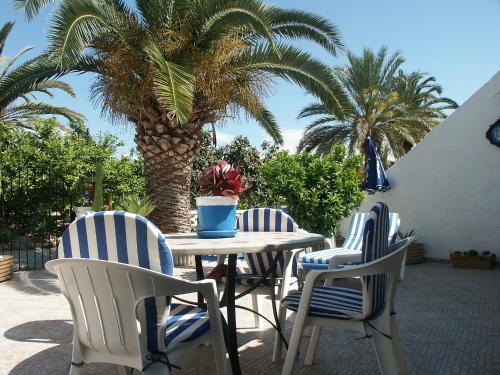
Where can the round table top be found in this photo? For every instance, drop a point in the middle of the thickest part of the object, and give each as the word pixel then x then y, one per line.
pixel 248 242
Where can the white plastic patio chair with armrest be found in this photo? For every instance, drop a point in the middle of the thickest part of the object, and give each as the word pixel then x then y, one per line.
pixel 369 310
pixel 105 298
pixel 122 237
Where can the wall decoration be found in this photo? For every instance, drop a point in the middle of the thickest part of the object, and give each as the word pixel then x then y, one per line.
pixel 493 133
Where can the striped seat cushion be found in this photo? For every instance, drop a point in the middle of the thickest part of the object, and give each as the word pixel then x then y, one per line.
pixel 330 302
pixel 354 241
pixel 185 323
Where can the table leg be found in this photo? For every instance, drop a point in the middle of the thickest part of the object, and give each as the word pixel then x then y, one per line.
pixel 232 339
pixel 283 292
pixel 199 276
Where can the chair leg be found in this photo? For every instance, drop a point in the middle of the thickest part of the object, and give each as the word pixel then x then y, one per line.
pixel 385 353
pixel 73 370
pixel 122 370
pixel 255 307
pixel 156 369
pixel 396 346
pixel 293 347
pixel 313 345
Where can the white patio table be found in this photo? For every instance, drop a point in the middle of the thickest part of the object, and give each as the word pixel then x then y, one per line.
pixel 247 242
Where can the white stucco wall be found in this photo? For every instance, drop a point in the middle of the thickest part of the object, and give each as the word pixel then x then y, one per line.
pixel 448 186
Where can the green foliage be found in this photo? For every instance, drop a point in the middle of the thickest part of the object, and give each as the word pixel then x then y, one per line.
pixel 317 191
pixel 98 202
pixel 47 171
pixel 137 205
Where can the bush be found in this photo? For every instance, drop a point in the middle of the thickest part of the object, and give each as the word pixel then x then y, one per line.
pixel 43 174
pixel 317 191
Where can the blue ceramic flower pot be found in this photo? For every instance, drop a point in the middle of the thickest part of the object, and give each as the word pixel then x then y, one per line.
pixel 217 215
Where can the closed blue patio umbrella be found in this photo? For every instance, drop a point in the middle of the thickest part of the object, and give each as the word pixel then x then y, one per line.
pixel 375 178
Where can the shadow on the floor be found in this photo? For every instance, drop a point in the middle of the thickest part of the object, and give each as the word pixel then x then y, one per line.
pixel 42 331
pixel 34 282
pixel 56 361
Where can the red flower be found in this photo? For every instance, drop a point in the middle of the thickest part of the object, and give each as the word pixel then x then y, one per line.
pixel 223 180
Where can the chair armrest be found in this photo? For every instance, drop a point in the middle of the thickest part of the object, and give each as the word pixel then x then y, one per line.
pixel 350 257
pixel 389 264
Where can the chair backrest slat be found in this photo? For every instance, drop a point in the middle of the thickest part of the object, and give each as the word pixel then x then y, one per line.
pixel 120 237
pixel 266 220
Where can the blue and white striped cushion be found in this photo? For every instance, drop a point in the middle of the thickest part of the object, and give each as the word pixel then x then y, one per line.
pixel 185 323
pixel 354 241
pixel 266 220
pixel 330 302
pixel 123 237
pixel 375 246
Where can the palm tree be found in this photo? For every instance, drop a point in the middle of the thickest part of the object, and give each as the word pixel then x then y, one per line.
pixel 395 109
pixel 19 85
pixel 172 66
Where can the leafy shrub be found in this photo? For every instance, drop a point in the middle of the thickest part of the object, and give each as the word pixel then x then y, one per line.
pixel 317 191
pixel 47 172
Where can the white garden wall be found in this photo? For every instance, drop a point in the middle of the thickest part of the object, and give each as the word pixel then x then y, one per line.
pixel 448 186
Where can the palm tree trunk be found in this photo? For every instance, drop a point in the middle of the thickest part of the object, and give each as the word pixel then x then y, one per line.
pixel 169 153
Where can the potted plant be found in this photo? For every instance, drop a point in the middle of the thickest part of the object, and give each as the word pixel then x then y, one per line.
pixel 217 213
pixel 472 259
pixel 415 252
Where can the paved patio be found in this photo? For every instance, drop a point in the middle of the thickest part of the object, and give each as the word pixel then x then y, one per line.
pixel 449 321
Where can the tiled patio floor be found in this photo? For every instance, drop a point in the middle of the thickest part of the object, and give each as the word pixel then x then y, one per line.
pixel 449 321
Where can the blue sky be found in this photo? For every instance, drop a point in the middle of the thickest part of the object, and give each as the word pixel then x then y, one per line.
pixel 457 41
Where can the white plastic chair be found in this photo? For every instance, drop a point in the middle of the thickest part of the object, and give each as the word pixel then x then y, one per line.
pixel 369 310
pixel 104 298
pixel 166 328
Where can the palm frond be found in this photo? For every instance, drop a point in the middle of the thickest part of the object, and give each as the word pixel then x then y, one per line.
pixel 297 66
pixel 313 109
pixel 31 7
pixel 26 112
pixel 174 85
pixel 221 17
pixel 255 109
pixel 4 34
pixel 297 24
pixel 76 24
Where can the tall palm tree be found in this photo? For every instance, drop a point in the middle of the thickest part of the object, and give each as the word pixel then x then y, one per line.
pixel 172 66
pixel 396 109
pixel 20 83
